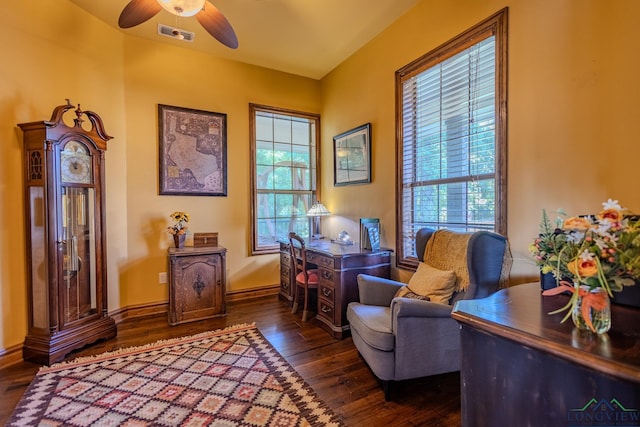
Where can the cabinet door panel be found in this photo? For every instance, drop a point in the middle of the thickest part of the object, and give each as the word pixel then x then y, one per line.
pixel 197 283
pixel 197 286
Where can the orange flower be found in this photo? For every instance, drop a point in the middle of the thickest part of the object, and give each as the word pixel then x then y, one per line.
pixel 580 267
pixel 613 215
pixel 576 223
pixel 595 300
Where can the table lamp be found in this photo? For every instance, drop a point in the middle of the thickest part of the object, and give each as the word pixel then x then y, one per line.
pixel 316 211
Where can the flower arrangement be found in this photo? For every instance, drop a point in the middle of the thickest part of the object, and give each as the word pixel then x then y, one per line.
pixel 180 227
pixel 594 252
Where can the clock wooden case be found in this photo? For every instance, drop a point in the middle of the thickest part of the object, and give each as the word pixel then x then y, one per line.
pixel 65 234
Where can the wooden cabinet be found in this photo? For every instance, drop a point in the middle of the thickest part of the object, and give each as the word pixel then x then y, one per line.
pixel 64 174
pixel 522 366
pixel 338 268
pixel 197 283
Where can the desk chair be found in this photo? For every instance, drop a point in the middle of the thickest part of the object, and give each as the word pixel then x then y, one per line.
pixel 305 278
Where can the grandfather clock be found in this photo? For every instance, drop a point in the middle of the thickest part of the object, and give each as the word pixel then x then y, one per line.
pixel 64 170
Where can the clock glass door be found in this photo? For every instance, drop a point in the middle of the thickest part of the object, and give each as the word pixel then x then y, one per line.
pixel 79 275
pixel 78 234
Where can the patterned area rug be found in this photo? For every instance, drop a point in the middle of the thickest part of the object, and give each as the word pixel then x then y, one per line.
pixel 231 377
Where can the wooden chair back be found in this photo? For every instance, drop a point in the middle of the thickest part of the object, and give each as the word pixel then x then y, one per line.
pixel 299 261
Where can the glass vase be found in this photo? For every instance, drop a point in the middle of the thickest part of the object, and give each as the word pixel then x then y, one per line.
pixel 599 312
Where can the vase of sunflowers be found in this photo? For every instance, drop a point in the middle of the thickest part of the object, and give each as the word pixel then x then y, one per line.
pixel 179 229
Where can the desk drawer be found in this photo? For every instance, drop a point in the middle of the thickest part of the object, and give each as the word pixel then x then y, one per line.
pixel 326 276
pixel 284 279
pixel 285 259
pixel 327 293
pixel 285 274
pixel 319 260
pixel 285 271
pixel 326 310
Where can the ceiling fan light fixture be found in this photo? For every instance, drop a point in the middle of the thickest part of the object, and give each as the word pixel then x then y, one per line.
pixel 214 22
pixel 182 7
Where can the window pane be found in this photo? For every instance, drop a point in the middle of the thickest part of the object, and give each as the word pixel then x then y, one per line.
pixel 264 154
pixel 266 205
pixel 264 180
pixel 284 206
pixel 282 178
pixel 282 130
pixel 300 132
pixel 281 152
pixel 264 127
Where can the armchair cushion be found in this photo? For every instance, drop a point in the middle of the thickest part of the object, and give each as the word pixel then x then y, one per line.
pixel 373 323
pixel 435 284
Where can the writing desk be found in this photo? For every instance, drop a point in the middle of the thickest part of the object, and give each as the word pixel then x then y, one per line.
pixel 338 269
pixel 521 366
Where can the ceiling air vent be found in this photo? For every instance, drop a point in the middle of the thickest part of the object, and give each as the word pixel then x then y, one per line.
pixel 174 33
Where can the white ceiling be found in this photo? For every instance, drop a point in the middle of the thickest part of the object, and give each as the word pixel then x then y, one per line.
pixel 303 37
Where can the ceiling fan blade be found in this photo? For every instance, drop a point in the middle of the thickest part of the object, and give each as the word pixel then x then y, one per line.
pixel 137 12
pixel 217 25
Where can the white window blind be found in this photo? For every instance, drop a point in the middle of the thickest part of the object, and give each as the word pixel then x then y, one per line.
pixel 448 162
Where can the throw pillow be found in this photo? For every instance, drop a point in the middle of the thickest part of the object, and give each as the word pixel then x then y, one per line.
pixel 436 284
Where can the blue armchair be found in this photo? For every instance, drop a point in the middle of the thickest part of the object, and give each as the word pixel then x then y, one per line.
pixel 402 338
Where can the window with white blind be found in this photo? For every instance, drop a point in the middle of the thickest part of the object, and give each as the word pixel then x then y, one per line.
pixel 284 174
pixel 452 137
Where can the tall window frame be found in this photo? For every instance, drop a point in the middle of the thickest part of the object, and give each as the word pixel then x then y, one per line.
pixel 285 172
pixel 447 187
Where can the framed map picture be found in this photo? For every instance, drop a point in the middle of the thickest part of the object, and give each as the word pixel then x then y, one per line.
pixel 193 152
pixel 352 156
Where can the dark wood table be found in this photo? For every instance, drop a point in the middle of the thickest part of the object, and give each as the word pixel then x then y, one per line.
pixel 523 367
pixel 338 267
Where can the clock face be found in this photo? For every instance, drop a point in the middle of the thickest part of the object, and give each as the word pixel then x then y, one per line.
pixel 75 164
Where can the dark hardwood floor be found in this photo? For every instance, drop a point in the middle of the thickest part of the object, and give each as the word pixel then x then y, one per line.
pixel 331 367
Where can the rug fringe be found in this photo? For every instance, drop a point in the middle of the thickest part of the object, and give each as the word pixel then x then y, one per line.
pixel 134 349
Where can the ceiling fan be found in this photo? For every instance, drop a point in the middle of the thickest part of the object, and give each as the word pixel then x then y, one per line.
pixel 138 11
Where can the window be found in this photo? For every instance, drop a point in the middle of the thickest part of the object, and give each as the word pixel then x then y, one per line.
pixel 284 176
pixel 451 127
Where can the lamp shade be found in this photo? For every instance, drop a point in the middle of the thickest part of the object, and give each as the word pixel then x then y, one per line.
pixel 318 209
pixel 182 7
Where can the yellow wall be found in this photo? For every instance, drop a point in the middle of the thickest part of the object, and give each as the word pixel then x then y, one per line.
pixel 57 51
pixel 572 138
pixel 52 52
pixel 164 74
pixel 573 94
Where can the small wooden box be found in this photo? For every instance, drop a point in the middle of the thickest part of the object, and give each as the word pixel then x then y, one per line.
pixel 201 240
